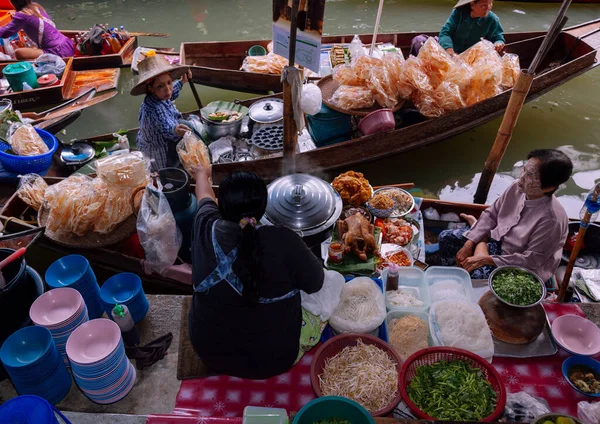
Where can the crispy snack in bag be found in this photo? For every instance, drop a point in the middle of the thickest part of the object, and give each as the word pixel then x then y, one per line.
pixel 116 209
pixel 350 97
pixel 510 70
pixel 32 189
pixel 193 153
pixel 435 62
pixel 124 170
pixel 25 141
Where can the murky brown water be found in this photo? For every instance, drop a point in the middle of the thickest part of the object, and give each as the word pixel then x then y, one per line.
pixel 568 117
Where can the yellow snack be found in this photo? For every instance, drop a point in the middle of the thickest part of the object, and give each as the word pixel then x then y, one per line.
pixel 193 153
pixel 116 209
pixel 25 141
pixel 350 97
pixel 32 189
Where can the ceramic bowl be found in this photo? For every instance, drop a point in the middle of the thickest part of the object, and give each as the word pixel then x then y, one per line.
pixel 576 335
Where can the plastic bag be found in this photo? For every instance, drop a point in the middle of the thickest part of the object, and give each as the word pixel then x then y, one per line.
pixel 448 97
pixel 344 74
pixel 510 70
pixel 589 412
pixel 522 407
pixel 426 104
pixel 393 62
pixel 362 68
pixel 48 63
pixel 361 308
pixel 384 93
pixel 270 63
pixel 413 79
pixel 323 302
pixel 481 51
pixel 193 153
pixel 350 97
pixel 159 236
pixel 311 100
pixel 32 189
pixel 356 48
pixel 25 141
pixel 435 61
pixel 116 209
pixel 124 170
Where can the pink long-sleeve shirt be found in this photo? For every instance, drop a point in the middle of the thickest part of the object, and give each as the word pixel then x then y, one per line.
pixel 533 232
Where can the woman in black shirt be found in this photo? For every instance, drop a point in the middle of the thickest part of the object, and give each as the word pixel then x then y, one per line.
pixel 246 317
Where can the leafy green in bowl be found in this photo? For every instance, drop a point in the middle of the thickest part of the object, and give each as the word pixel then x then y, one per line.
pixel 517 286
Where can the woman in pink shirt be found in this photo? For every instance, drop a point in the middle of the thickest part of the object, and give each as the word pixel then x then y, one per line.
pixel 526 226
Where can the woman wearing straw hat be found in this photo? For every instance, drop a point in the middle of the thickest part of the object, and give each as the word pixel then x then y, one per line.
pixel 161 126
pixel 469 22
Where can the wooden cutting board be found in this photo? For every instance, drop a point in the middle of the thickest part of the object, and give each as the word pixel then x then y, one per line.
pixel 512 325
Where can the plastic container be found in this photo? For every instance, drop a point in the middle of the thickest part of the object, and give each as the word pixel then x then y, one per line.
pixel 381 120
pixel 48 80
pixel 434 354
pixel 120 314
pixel 329 127
pixel 19 73
pixel 30 409
pixel 176 188
pixel 336 345
pixel 574 361
pixel 29 164
pixel 330 407
pixel 399 313
pixel 257 51
pixel 260 415
pixel 412 280
pixel 436 274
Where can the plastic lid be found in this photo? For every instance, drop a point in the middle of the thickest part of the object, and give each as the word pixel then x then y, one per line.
pixel 27 410
pixel 17 68
pixel 119 310
pixel 77 153
pixel 393 268
pixel 267 111
pixel 300 202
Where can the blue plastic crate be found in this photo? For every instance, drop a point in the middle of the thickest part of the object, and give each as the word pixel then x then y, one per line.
pixel 29 164
pixel 383 335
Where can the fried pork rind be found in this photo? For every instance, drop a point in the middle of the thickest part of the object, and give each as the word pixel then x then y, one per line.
pixel 270 63
pixel 435 62
pixel 344 74
pixel 413 79
pixel 510 70
pixel 448 97
pixel 362 68
pixel 117 207
pixel 193 153
pixel 31 190
pixel 482 50
pixel 353 187
pixel 380 83
pixel 350 97
pixel 129 170
pixel 25 141
pixel 427 105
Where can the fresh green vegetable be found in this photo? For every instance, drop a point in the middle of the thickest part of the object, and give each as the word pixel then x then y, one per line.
pixel 517 287
pixel 332 421
pixel 452 390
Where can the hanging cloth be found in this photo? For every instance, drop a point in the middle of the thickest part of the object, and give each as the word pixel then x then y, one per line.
pixel 224 271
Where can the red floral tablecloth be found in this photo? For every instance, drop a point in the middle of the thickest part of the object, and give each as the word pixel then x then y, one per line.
pixel 227 396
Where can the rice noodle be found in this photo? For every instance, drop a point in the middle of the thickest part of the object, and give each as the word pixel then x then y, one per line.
pixel 363 373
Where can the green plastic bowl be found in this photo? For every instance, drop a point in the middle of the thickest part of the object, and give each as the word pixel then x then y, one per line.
pixel 333 407
pixel 257 51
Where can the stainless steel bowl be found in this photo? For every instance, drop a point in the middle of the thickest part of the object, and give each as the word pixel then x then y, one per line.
pixel 501 268
pixel 553 416
pixel 393 214
pixel 216 130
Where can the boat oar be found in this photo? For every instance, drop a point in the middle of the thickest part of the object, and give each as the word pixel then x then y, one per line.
pixel 589 212
pixel 515 105
pixel 195 93
pixel 149 34
pixel 9 260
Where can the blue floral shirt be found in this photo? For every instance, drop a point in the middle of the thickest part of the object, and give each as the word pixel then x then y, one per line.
pixel 158 119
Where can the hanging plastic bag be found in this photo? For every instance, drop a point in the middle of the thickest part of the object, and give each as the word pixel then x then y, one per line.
pixel 48 63
pixel 193 153
pixel 361 308
pixel 157 230
pixel 356 48
pixel 311 100
pixel 589 412
pixel 323 302
pixel 523 408
pixel 31 190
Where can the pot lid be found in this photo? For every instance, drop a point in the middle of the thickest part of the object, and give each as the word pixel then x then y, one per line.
pixel 77 153
pixel 302 202
pixel 267 111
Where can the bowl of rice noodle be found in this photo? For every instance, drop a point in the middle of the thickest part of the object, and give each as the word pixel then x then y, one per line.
pixel 359 367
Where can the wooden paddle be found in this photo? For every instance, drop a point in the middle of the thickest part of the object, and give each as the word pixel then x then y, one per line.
pixel 82 97
pixel 149 34
pixel 77 106
pixel 195 93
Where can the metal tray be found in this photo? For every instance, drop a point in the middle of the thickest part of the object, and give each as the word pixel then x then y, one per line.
pixel 542 346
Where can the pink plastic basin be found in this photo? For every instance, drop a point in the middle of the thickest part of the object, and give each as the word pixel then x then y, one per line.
pixel 576 335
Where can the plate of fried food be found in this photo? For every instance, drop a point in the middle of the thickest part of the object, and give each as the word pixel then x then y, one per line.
pixel 353 188
pixel 392 253
pixel 404 203
pixel 399 231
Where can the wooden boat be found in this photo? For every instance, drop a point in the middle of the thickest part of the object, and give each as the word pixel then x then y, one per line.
pixel 72 84
pixel 217 63
pixel 554 1
pixel 573 54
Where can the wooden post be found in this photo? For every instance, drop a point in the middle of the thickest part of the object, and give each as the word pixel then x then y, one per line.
pixel 575 252
pixel 515 104
pixel 290 131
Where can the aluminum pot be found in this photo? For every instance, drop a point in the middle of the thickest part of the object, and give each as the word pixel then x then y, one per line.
pixel 216 130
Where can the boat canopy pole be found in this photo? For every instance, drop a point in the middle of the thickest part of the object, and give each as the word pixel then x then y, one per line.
pixel 290 131
pixel 515 105
pixel 376 27
pixel 589 212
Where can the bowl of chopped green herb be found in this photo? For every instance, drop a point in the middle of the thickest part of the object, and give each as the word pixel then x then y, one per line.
pixel 517 287
pixel 333 410
pixel 449 384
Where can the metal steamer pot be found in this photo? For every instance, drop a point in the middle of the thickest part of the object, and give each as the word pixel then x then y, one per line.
pixel 307 205
pixel 216 130
pixel 265 126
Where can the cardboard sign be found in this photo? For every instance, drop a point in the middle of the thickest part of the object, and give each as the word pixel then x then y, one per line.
pixel 308 37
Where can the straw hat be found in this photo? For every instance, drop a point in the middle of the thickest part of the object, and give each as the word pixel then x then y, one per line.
pixel 152 67
pixel 463 2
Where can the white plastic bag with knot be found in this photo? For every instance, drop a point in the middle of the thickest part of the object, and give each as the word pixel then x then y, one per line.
pixel 521 407
pixel 323 302
pixel 159 236
pixel 361 308
pixel 311 100
pixel 589 412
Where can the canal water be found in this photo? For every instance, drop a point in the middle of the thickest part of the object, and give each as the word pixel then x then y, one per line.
pixel 567 118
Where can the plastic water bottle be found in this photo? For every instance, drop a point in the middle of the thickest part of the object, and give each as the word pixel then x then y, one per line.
pixel 124 34
pixel 122 317
pixel 26 87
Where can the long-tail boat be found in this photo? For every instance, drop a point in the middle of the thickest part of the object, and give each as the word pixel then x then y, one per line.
pixel 574 53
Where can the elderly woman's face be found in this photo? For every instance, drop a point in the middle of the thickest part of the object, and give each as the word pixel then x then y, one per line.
pixel 162 87
pixel 529 181
pixel 481 8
